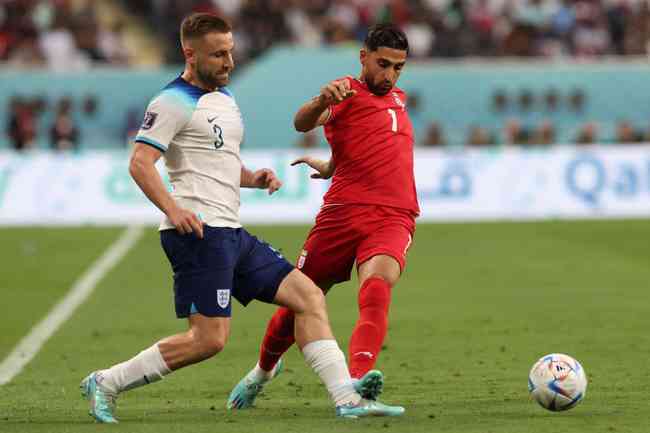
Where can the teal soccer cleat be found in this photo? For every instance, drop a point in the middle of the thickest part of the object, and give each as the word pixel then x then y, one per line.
pixel 370 385
pixel 102 403
pixel 244 393
pixel 367 408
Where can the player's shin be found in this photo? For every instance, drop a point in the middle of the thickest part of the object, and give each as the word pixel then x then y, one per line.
pixel 146 367
pixel 328 361
pixel 322 353
pixel 279 337
pixel 370 330
pixel 314 336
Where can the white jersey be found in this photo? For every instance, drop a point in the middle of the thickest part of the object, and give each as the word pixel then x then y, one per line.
pixel 199 133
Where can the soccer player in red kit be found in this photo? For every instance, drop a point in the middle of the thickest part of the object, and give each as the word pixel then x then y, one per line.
pixel 369 211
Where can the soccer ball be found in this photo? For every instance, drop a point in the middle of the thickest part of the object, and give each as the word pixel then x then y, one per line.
pixel 557 382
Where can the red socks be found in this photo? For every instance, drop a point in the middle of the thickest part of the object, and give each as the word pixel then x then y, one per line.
pixel 370 330
pixel 278 338
pixel 367 337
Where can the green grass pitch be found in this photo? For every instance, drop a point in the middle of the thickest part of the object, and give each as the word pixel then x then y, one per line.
pixel 478 304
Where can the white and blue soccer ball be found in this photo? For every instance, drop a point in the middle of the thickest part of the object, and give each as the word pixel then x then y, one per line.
pixel 557 382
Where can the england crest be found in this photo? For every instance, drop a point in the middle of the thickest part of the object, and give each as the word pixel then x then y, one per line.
pixel 223 298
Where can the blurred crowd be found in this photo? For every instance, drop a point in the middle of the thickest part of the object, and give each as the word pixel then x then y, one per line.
pixel 58 34
pixel 66 33
pixel 529 119
pixel 25 119
pixel 545 133
pixel 63 124
pixel 436 28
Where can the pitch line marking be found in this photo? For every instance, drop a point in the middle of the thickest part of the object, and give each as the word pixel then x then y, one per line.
pixel 31 344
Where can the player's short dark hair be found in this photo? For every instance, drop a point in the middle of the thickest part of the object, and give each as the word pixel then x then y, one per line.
pixel 199 24
pixel 386 35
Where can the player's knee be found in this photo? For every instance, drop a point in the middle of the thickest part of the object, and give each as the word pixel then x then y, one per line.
pixel 314 301
pixel 389 278
pixel 210 345
pixel 214 346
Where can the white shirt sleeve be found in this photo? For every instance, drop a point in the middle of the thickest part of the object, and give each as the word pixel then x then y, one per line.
pixel 164 118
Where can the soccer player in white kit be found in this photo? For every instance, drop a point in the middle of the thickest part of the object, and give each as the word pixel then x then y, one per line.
pixel 196 125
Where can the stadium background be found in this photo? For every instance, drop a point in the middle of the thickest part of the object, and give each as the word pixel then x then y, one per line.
pixel 524 110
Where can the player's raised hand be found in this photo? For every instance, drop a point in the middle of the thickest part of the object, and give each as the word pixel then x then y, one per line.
pixel 324 169
pixel 336 92
pixel 186 221
pixel 266 179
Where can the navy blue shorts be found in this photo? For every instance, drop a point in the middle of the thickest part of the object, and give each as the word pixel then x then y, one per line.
pixel 226 262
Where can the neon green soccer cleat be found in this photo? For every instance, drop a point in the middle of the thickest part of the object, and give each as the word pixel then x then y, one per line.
pixel 244 393
pixel 367 408
pixel 370 385
pixel 102 403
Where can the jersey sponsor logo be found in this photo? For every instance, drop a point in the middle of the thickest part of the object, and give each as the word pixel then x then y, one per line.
pixel 302 258
pixel 149 120
pixel 223 297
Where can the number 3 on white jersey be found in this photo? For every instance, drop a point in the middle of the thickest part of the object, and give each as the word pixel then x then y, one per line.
pixel 393 116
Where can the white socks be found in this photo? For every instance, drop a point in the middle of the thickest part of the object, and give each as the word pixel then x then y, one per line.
pixel 323 356
pixel 327 360
pixel 146 367
pixel 260 376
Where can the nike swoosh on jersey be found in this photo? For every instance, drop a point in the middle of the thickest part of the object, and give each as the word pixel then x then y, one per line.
pixel 212 120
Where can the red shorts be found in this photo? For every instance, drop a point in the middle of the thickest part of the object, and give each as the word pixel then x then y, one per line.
pixel 345 233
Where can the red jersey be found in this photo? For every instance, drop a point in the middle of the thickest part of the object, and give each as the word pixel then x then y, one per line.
pixel 371 138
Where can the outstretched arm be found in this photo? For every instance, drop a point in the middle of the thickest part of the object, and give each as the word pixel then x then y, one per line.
pixel 315 112
pixel 324 169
